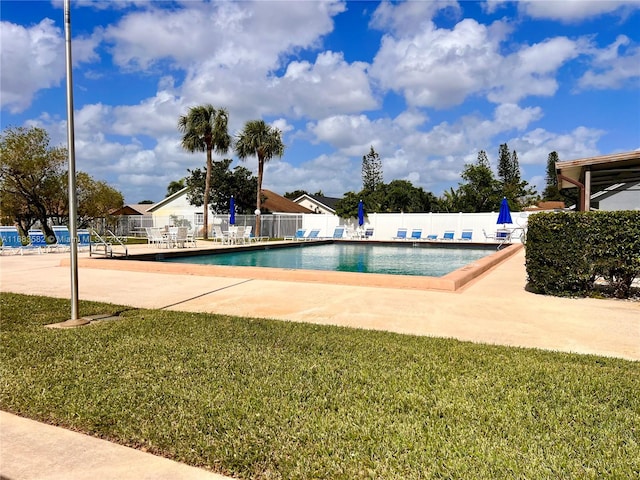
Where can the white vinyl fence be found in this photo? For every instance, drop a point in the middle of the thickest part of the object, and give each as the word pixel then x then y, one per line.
pixel 385 225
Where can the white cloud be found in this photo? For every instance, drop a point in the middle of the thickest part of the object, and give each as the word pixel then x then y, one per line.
pixel 330 85
pixel 613 66
pixel 441 68
pixel 575 10
pixel 24 74
pixel 532 70
pixel 534 146
pixel 409 18
pixel 33 58
pixel 225 34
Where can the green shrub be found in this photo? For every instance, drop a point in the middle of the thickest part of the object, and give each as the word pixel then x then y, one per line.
pixel 567 252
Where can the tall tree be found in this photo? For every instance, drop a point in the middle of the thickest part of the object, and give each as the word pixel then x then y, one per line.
pixel 204 129
pixel 481 192
pixel 264 142
pixel 516 190
pixel 31 177
pixel 551 191
pixel 508 173
pixel 372 177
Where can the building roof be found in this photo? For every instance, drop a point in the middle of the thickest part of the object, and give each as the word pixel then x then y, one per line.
pixel 168 199
pixel 328 202
pixel 606 170
pixel 279 204
pixel 132 209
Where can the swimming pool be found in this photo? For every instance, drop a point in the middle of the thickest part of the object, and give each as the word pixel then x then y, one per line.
pixel 339 257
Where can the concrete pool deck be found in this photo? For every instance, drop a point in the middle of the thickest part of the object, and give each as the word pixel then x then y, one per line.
pixel 492 308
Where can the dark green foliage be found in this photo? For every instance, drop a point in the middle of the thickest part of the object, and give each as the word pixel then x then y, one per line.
pixel 238 182
pixel 175 186
pixel 551 191
pixel 347 206
pixel 261 399
pixel 615 248
pixel 480 191
pixel 295 194
pixel 567 252
pixel 397 196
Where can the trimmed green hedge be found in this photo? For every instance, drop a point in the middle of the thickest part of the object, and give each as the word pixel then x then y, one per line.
pixel 567 252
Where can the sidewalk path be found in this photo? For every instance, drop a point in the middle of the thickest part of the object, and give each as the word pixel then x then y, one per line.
pixel 36 451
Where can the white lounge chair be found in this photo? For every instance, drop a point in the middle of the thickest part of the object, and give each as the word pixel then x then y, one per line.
pixel 313 234
pixel 63 237
pixel 466 235
pixel 155 237
pixel 299 235
pixel 38 240
pixel 401 234
pixel 448 236
pixel 11 240
pixel 84 239
pixel 338 232
pixel 180 239
pixel 219 235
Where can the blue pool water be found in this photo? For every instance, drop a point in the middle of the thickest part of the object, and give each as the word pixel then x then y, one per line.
pixel 387 259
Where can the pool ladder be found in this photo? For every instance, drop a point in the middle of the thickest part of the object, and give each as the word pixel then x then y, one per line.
pixel 104 246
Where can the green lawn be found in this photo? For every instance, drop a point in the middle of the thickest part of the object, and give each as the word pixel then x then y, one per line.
pixel 265 399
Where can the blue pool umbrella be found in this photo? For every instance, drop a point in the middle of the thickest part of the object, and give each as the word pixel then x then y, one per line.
pixel 360 213
pixel 504 216
pixel 232 211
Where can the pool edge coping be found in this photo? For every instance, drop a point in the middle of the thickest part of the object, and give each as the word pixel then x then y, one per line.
pixel 451 282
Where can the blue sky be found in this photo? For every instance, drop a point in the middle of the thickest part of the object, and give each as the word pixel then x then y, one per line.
pixel 427 84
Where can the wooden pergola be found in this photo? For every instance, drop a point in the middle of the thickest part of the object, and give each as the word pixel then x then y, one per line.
pixel 605 173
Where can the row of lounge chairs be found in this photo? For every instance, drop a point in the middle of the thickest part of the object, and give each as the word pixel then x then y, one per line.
pixel 14 243
pixel 416 234
pixel 339 232
pixel 449 235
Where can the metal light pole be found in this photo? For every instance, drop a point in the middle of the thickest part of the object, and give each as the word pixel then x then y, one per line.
pixel 73 210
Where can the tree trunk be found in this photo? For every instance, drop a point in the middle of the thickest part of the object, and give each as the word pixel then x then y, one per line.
pixel 207 187
pixel 41 216
pixel 258 197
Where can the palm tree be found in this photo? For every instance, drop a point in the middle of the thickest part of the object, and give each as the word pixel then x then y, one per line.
pixel 263 141
pixel 204 128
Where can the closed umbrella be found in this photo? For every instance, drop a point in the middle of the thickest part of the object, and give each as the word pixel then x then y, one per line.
pixel 504 216
pixel 232 211
pixel 360 213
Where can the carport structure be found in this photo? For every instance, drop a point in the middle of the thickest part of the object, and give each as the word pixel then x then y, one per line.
pixel 605 174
